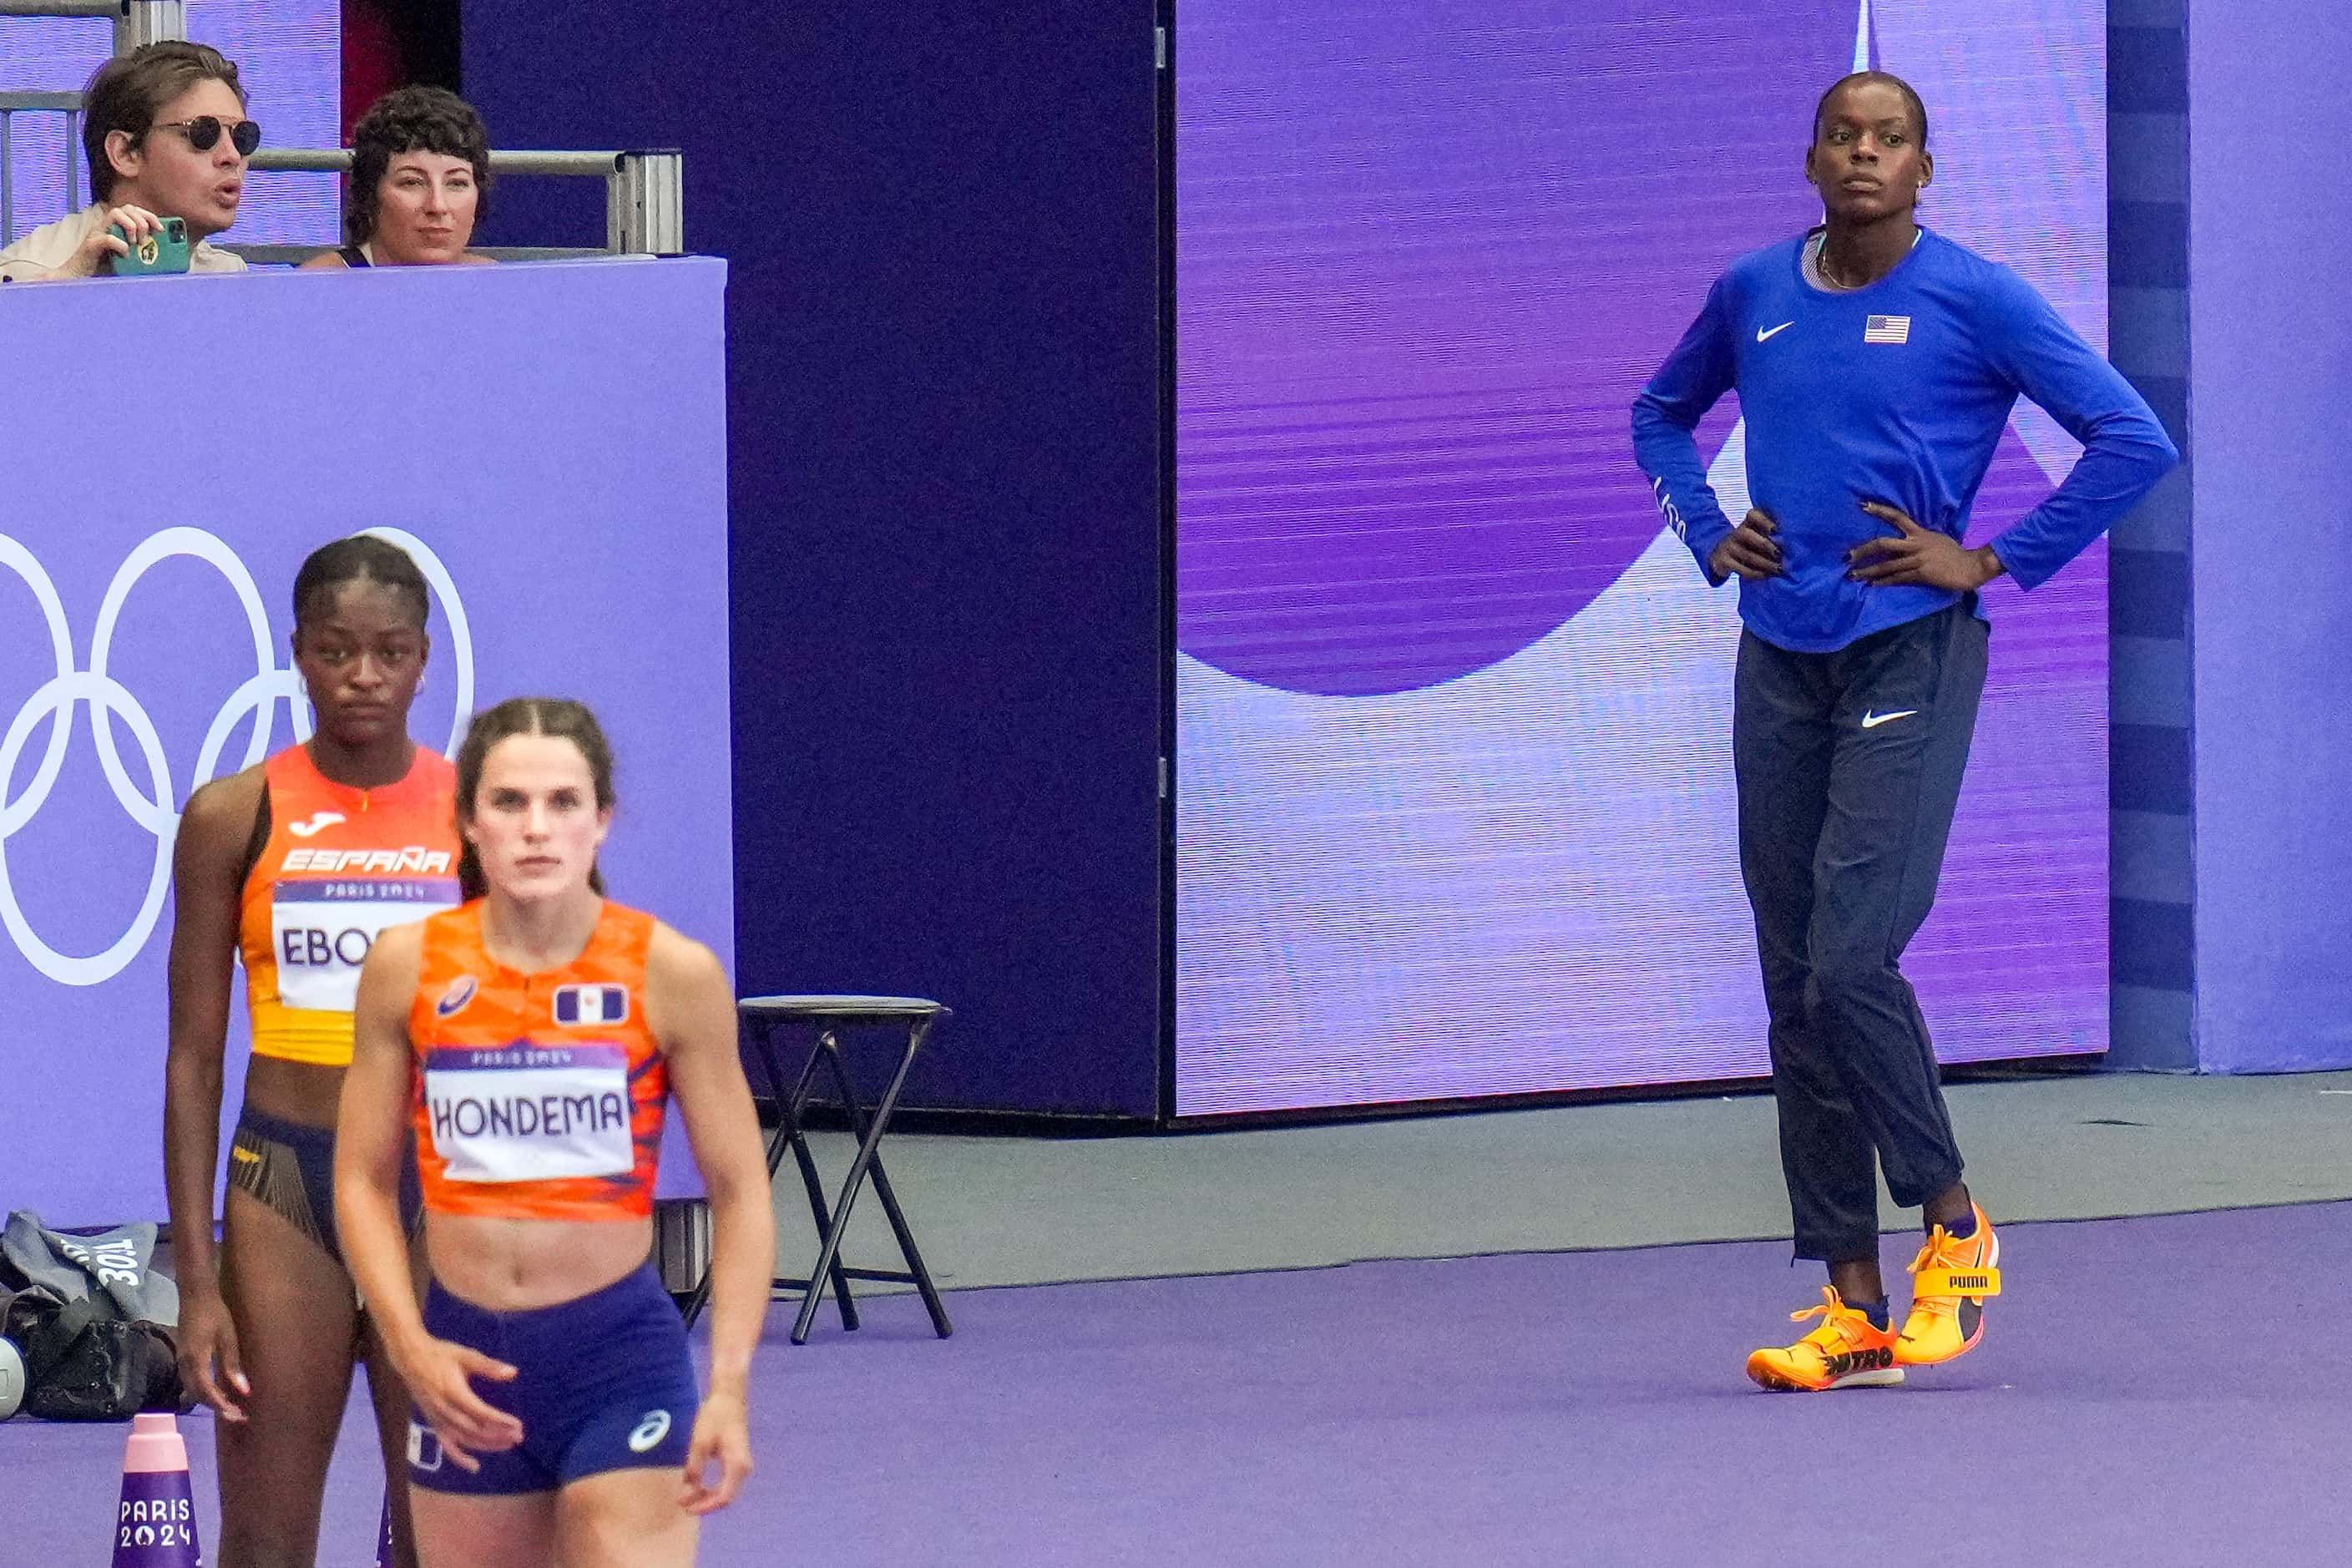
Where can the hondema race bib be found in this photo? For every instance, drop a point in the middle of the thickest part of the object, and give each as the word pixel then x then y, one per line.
pixel 321 930
pixel 527 1113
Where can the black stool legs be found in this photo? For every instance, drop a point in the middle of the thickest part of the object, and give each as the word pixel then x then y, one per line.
pixel 831 1015
pixel 868 1160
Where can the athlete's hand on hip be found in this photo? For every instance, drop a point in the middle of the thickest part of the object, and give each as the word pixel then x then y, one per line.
pixel 208 1339
pixel 1919 557
pixel 722 1436
pixel 439 1374
pixel 1749 550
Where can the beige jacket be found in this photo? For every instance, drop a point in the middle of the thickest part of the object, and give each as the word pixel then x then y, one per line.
pixel 51 245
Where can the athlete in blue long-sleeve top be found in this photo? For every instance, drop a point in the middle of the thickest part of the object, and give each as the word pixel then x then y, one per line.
pixel 1876 365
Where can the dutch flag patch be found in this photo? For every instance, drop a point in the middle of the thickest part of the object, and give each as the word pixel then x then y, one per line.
pixel 576 1005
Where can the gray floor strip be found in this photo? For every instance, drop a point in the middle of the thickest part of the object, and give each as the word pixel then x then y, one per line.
pixel 1021 1211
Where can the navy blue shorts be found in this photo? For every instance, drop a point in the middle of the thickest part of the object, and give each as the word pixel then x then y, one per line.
pixel 603 1383
pixel 291 1169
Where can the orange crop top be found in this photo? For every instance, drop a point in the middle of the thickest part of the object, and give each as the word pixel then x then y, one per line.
pixel 339 865
pixel 537 1096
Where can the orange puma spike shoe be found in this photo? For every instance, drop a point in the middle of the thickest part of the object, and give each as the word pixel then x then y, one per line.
pixel 1949 1281
pixel 1848 1350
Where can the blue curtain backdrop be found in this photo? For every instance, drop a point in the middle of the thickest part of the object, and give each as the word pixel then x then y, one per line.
pixel 944 379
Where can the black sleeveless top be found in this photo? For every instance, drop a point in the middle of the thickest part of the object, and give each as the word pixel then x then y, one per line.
pixel 353 256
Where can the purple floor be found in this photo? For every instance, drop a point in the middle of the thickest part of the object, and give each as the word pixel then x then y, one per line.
pixel 2153 1392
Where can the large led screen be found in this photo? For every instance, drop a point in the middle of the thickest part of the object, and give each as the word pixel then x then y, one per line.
pixel 1455 809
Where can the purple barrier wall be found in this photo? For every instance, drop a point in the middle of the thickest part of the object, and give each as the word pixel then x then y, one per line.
pixel 2271 352
pixel 553 439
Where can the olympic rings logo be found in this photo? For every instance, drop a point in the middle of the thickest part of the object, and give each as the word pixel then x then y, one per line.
pixel 109 700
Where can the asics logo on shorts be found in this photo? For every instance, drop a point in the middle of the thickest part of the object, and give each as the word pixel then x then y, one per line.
pixel 649 1432
pixel 319 822
pixel 423 1441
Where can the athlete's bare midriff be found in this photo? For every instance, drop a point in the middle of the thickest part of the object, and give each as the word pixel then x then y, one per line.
pixel 519 1265
pixel 305 1093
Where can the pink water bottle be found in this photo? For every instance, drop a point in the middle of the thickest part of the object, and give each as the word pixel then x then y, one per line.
pixel 156 1525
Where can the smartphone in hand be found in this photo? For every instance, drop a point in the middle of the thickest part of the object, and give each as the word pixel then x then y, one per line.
pixel 164 252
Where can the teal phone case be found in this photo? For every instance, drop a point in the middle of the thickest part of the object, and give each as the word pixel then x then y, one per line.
pixel 157 253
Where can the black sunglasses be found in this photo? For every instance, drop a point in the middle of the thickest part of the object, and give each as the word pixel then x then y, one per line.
pixel 205 131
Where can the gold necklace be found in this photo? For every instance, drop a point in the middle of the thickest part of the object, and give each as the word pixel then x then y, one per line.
pixel 1822 266
pixel 1822 262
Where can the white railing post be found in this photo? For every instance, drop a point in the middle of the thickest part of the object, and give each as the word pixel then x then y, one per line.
pixel 143 22
pixel 645 204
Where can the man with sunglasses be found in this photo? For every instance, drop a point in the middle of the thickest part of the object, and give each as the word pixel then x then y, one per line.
pixel 166 134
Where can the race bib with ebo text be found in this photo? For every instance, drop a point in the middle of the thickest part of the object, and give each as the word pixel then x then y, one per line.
pixel 321 930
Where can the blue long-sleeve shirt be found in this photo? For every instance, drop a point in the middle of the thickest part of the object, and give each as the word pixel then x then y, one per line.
pixel 1897 392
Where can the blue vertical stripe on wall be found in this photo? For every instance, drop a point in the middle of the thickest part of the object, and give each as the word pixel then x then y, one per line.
pixel 2151 765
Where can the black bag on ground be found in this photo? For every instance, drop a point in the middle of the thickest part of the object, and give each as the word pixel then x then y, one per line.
pixel 91 1319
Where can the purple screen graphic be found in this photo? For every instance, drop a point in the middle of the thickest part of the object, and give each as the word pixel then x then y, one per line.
pixel 549 440
pixel 1455 812
pixel 289 56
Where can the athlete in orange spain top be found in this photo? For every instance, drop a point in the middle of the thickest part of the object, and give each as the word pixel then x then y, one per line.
pixel 532 1039
pixel 295 866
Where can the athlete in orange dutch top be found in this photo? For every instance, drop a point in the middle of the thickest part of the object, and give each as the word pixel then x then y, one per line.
pixel 533 1036
pixel 295 864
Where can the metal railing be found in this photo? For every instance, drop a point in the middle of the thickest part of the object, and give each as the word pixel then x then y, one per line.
pixel 14 103
pixel 645 196
pixel 136 22
pixel 644 191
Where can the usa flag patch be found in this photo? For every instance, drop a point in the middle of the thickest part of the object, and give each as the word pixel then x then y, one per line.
pixel 577 1004
pixel 1886 330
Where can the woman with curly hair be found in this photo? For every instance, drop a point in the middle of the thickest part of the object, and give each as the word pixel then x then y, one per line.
pixel 420 175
